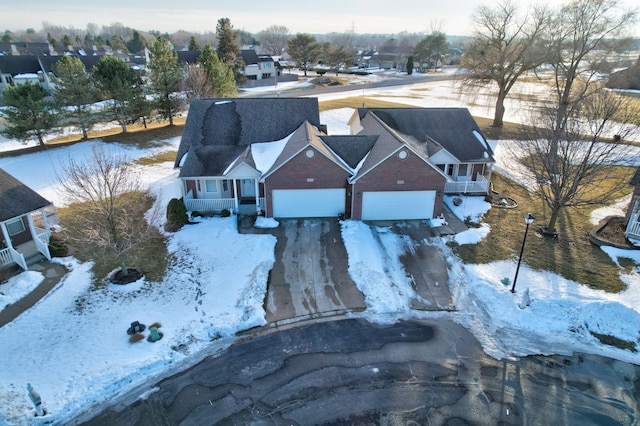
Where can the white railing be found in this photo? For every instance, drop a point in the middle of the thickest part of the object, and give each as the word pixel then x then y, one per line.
pixel 633 229
pixel 214 204
pixel 480 185
pixel 42 242
pixel 50 212
pixel 9 255
pixel 5 257
pixel 210 204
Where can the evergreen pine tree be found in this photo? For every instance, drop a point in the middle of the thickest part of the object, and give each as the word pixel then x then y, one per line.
pixel 28 114
pixel 74 93
pixel 228 49
pixel 165 76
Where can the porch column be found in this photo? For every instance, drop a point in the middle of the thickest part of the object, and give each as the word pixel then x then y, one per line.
pixel 489 178
pixel 32 227
pixel 45 221
pixel 235 193
pixel 5 233
pixel 257 189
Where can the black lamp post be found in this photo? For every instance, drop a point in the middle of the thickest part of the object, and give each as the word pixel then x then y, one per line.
pixel 528 219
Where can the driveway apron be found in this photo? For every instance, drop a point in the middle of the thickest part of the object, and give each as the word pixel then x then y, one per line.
pixel 310 276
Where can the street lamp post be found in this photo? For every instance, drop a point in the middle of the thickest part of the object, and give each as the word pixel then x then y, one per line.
pixel 528 219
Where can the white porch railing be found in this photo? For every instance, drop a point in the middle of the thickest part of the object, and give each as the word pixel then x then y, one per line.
pixel 480 185
pixel 42 242
pixel 214 204
pixel 633 229
pixel 209 204
pixel 9 255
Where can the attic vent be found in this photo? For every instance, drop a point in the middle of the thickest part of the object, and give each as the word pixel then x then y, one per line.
pixel 402 155
pixel 485 154
pixel 309 153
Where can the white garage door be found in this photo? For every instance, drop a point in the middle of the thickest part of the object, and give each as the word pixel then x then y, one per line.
pixel 308 202
pixel 398 205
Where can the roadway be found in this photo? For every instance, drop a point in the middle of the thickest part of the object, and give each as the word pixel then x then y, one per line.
pixel 355 372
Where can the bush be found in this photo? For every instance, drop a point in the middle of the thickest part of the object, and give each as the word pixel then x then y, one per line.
pixel 225 213
pixel 176 212
pixel 57 246
pixel 196 214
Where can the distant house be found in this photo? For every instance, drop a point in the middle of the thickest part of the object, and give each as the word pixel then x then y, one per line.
pixel 25 223
pixel 35 69
pixel 258 67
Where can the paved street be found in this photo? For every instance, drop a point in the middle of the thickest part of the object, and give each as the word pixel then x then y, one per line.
pixel 355 372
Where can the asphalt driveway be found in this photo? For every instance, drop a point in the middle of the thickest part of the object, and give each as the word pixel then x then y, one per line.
pixel 310 277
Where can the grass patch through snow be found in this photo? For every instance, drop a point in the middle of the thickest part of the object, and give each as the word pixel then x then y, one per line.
pixel 571 255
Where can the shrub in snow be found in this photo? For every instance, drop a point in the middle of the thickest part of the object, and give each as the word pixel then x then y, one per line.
pixel 225 213
pixel 176 213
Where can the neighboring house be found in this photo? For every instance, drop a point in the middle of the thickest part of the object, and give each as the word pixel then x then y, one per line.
pixel 25 223
pixel 449 137
pixel 215 159
pixel 22 48
pixel 632 230
pixel 36 69
pixel 21 68
pixel 272 155
pixel 258 67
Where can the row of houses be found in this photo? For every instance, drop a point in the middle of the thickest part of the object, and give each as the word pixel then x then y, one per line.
pixel 34 67
pixel 272 156
pixel 275 157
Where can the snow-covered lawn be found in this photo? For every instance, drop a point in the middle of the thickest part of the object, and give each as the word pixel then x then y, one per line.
pixel 73 346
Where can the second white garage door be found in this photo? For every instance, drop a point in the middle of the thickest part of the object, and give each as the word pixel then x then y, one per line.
pixel 308 202
pixel 398 205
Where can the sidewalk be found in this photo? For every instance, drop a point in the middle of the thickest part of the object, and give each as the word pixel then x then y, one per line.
pixel 52 272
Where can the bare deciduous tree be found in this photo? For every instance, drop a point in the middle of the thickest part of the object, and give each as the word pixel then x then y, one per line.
pixel 504 47
pixel 274 39
pixel 580 35
pixel 106 195
pixel 197 83
pixel 570 167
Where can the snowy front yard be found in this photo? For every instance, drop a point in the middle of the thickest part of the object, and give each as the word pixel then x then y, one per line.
pixel 73 346
pixel 74 349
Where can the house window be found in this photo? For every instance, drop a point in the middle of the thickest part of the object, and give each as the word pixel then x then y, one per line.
pixel 211 185
pixel 266 75
pixel 450 168
pixel 225 185
pixel 463 170
pixel 267 65
pixel 15 226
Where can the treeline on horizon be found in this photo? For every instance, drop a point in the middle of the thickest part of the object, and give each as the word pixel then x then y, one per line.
pixel 107 35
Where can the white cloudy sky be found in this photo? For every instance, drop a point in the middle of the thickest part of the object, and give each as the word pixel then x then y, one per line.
pixel 365 16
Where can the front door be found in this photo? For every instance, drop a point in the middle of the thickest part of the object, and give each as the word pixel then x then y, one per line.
pixel 248 188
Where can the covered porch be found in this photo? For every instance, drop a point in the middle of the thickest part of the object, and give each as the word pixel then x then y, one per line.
pixel 26 237
pixel 215 195
pixel 478 186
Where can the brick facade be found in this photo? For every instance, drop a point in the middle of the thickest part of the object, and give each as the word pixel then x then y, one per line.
pixel 396 174
pixel 303 172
